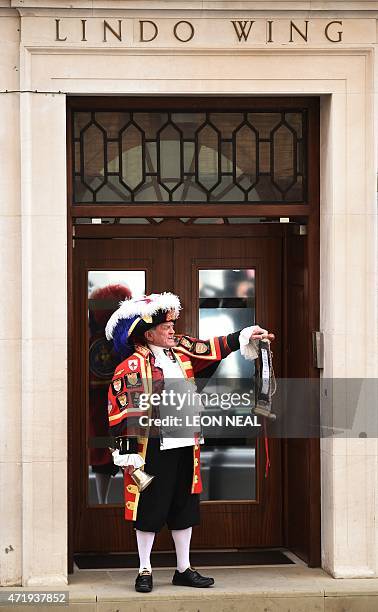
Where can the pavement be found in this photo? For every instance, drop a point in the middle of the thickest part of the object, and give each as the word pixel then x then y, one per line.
pixel 283 588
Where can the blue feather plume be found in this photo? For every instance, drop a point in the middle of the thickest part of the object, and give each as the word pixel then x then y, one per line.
pixel 122 344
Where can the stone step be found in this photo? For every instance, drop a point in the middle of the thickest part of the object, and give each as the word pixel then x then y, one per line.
pixel 294 588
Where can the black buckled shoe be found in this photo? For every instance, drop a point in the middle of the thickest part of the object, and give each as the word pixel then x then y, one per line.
pixel 143 582
pixel 191 578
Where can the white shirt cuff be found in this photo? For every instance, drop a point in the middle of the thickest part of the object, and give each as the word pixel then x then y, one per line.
pixel 129 459
pixel 248 347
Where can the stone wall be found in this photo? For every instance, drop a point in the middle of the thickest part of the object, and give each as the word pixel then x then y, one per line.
pixel 33 227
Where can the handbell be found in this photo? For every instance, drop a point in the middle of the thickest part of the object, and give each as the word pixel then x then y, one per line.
pixel 264 411
pixel 141 479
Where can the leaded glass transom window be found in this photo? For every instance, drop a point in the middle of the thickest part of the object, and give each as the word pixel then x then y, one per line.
pixel 192 157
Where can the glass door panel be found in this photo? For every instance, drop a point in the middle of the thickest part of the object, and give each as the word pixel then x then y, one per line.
pixel 226 304
pixel 106 288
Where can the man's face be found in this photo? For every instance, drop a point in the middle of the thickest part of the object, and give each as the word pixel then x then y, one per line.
pixel 161 335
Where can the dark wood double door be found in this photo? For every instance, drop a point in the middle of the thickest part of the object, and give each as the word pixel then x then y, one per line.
pixel 195 269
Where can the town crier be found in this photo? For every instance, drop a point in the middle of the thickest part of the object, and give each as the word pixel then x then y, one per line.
pixel 155 358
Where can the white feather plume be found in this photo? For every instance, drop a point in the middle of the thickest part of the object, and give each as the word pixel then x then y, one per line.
pixel 140 308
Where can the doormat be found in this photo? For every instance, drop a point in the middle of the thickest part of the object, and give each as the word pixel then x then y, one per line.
pixel 198 559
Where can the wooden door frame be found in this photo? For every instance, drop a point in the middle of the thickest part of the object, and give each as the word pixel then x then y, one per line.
pixel 175 229
pixel 264 254
pixel 308 213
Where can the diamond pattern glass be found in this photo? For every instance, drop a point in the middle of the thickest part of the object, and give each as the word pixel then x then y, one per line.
pixel 192 157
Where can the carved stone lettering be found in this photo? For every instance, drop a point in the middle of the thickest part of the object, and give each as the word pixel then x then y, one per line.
pixel 242 29
pixel 57 31
pixel 294 27
pixel 269 37
pixel 145 38
pixel 178 31
pixel 107 27
pixel 259 31
pixel 339 33
pixel 83 28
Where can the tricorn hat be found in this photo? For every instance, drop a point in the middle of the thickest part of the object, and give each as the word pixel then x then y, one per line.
pixel 135 316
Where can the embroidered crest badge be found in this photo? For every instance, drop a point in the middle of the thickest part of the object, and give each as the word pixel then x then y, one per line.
pixel 171 316
pixel 122 401
pixel 133 364
pixel 133 380
pixel 201 348
pixel 117 385
pixel 186 343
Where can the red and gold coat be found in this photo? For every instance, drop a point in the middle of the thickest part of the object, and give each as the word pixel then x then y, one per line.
pixel 138 374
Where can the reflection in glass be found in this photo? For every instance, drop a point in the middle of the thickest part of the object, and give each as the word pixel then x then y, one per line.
pixel 228 470
pixel 246 167
pixel 284 171
pixel 132 157
pixel 227 304
pixel 170 157
pixel 93 140
pixel 208 144
pixel 105 290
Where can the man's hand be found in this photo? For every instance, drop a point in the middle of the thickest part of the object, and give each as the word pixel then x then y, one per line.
pixel 258 333
pixel 129 469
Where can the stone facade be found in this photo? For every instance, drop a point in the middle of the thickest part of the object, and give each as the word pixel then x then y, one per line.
pixel 52 48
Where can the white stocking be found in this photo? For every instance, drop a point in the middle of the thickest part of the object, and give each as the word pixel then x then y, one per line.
pixel 145 540
pixel 181 538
